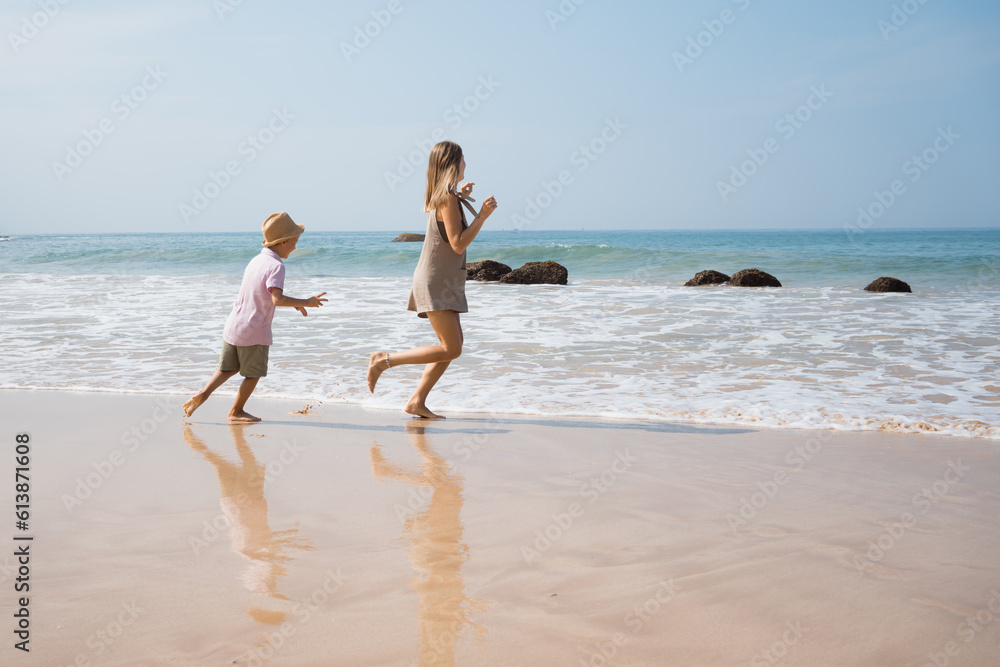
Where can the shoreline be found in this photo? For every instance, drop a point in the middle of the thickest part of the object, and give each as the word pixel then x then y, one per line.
pixel 887 425
pixel 360 537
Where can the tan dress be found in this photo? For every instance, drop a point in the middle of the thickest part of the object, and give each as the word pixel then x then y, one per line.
pixel 439 279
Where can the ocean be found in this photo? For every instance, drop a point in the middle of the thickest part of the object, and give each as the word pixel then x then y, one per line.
pixel 144 313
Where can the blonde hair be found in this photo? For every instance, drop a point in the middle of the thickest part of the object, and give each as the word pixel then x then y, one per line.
pixel 443 169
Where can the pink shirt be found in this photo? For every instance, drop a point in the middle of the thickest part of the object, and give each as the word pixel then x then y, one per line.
pixel 249 322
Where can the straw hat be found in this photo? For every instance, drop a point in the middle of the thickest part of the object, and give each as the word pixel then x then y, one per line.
pixel 280 227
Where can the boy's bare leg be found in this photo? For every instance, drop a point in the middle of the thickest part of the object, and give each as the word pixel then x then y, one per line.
pixel 218 378
pixel 238 415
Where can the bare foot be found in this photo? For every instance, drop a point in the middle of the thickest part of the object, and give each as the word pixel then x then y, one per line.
pixel 375 368
pixel 193 404
pixel 242 417
pixel 420 410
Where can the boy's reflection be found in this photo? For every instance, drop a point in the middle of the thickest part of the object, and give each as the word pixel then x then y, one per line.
pixel 241 487
pixel 437 552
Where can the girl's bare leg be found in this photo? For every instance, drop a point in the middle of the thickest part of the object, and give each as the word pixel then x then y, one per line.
pixel 217 380
pixel 432 373
pixel 448 328
pixel 449 332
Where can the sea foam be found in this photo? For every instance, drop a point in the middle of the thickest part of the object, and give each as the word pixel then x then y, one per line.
pixel 802 357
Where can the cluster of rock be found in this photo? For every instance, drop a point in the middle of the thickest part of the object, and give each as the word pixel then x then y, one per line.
pixel 532 273
pixel 407 237
pixel 553 273
pixel 758 278
pixel 887 284
pixel 488 270
pixel 744 278
pixel 753 278
pixel 707 278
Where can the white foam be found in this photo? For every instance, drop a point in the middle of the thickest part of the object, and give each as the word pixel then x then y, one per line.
pixel 804 358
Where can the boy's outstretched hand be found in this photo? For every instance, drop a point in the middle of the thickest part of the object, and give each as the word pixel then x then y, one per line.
pixel 311 302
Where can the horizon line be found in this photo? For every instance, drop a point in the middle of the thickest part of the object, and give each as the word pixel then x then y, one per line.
pixel 617 231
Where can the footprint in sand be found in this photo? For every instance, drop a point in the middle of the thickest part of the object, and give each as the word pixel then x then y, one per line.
pixel 880 571
pixel 849 558
pixel 958 610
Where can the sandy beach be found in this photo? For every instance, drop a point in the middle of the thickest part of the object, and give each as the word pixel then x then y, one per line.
pixel 347 536
pixel 715 327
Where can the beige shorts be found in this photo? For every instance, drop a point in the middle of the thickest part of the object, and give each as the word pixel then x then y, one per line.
pixel 249 360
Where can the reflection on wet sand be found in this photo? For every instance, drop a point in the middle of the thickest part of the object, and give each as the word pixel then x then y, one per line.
pixel 241 487
pixel 435 531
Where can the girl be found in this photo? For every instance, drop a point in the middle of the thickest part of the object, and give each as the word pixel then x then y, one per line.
pixel 438 292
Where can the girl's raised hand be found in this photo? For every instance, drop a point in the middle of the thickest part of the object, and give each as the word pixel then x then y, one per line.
pixel 489 206
pixel 467 189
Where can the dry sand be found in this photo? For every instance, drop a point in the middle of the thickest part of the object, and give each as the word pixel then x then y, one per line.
pixel 354 537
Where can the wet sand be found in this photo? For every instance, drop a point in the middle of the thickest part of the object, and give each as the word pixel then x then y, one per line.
pixel 355 537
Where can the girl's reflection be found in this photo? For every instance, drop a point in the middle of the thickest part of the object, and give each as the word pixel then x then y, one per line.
pixel 241 487
pixel 435 531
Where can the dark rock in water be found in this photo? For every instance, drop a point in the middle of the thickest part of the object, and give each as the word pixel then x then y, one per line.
pixel 887 284
pixel 537 273
pixel 707 278
pixel 486 270
pixel 409 237
pixel 753 278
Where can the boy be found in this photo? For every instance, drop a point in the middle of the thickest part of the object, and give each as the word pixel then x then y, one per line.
pixel 247 335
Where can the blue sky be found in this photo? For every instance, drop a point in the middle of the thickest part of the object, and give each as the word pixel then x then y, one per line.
pixel 595 115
